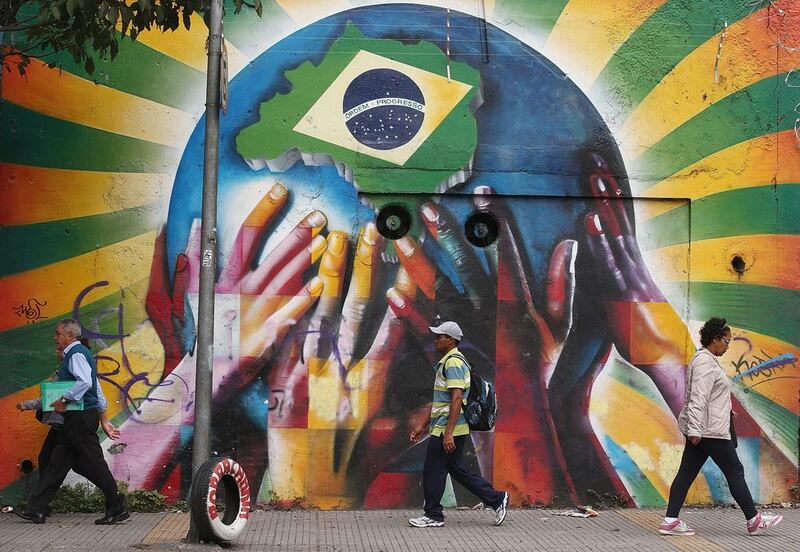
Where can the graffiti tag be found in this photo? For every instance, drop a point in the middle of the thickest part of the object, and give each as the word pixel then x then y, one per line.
pixel 31 310
pixel 761 367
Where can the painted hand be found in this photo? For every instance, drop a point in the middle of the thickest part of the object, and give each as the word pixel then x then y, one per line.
pixel 257 305
pixel 329 388
pixel 646 330
pixel 528 337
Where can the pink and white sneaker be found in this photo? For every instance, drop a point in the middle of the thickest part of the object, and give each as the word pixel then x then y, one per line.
pixel 763 521
pixel 677 527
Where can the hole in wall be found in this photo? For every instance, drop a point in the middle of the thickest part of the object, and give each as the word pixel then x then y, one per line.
pixel 393 222
pixel 26 466
pixel 738 264
pixel 482 229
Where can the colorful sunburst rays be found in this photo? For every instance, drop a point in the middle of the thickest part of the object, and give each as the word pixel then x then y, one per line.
pixel 86 163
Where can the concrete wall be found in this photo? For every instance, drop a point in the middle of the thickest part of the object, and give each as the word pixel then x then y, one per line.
pixel 579 184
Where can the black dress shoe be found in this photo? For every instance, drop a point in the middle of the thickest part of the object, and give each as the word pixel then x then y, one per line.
pixel 119 514
pixel 35 518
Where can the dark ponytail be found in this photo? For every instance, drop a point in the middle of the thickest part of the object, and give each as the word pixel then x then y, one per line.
pixel 713 328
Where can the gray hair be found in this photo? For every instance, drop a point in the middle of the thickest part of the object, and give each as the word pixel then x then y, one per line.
pixel 71 327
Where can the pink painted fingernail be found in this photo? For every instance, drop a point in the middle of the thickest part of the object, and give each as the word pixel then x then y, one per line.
pixel 593 224
pixel 395 298
pixel 430 212
pixel 573 256
pixel 405 245
pixel 277 191
pixel 479 196
pixel 316 219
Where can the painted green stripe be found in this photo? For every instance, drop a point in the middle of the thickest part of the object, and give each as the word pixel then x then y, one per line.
pixel 735 213
pixel 143 72
pixel 744 115
pixel 540 17
pixel 627 375
pixel 30 138
pixel 246 31
pixel 29 246
pixel 27 353
pixel 763 309
pixel 653 50
pixel 17 492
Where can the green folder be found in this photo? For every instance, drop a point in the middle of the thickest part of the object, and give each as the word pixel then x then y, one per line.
pixel 54 390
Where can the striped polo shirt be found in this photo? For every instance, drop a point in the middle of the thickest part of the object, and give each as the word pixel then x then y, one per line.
pixel 451 373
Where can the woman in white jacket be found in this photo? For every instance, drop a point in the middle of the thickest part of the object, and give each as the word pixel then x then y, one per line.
pixel 706 422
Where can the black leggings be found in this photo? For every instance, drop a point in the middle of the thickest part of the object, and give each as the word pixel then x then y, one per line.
pixel 723 453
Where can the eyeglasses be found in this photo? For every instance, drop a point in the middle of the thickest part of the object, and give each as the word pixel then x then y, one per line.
pixel 727 341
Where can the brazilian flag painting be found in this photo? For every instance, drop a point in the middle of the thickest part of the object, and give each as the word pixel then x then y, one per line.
pixel 370 106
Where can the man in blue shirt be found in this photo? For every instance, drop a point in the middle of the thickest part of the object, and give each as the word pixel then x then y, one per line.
pixel 77 441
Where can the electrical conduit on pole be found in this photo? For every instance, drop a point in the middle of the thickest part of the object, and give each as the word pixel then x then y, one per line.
pixel 205 319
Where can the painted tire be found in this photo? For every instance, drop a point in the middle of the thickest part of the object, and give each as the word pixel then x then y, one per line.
pixel 225 526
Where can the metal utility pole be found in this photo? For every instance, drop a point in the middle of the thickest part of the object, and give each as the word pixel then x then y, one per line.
pixel 208 230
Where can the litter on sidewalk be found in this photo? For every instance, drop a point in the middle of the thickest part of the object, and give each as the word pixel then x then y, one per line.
pixel 578 512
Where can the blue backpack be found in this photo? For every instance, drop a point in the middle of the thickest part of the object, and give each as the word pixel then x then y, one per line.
pixel 480 409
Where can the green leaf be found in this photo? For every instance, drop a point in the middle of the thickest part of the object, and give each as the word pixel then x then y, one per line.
pixel 89 65
pixel 113 14
pixel 71 5
pixel 126 13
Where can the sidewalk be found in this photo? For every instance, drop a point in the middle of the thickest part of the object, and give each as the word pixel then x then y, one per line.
pixel 388 530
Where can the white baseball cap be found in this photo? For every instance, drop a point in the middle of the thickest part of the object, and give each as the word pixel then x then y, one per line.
pixel 448 328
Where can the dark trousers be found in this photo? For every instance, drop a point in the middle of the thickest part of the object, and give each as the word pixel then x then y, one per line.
pixel 434 477
pixel 74 446
pixel 723 453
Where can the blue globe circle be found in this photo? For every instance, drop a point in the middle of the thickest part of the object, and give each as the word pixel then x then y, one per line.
pixel 383 108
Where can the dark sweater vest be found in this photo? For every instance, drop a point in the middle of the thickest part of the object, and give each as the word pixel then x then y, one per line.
pixel 90 397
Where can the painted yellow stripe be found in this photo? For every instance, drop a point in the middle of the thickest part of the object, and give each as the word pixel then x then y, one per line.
pixel 748 56
pixel 585 37
pixel 306 11
pixel 122 264
pixel 42 195
pixel 771 260
pixel 71 98
pixel 761 161
pixel 620 411
pixel 189 46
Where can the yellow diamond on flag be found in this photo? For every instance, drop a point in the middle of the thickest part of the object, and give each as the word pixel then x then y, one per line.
pixel 382 108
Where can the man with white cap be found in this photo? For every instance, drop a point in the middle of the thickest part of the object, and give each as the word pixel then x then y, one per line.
pixel 448 434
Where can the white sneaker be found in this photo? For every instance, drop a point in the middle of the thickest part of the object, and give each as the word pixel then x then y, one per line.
pixel 424 521
pixel 502 510
pixel 763 521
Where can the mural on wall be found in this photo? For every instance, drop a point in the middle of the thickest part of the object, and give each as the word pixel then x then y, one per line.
pixel 578 186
